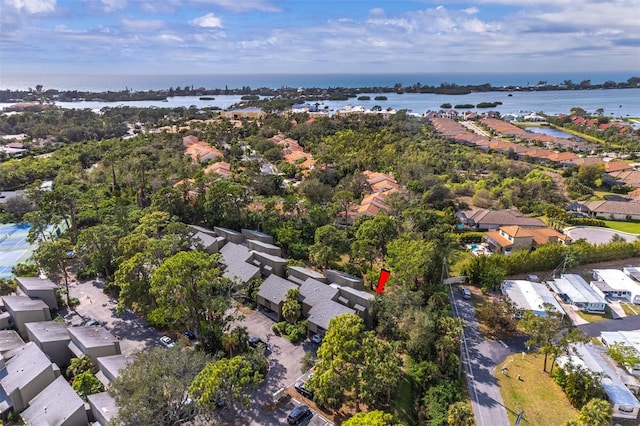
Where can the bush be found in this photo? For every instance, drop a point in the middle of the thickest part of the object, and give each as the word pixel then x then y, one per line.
pixel 470 237
pixel 86 273
pixel 293 332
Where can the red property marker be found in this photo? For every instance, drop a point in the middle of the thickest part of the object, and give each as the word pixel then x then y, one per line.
pixel 384 276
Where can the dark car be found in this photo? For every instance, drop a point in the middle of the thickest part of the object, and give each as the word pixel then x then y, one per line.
pixel 189 335
pixel 256 342
pixel 299 414
pixel 302 390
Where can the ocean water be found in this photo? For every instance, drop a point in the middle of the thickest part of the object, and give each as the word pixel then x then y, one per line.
pixel 274 81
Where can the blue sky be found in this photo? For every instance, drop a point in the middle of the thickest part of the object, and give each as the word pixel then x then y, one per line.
pixel 312 36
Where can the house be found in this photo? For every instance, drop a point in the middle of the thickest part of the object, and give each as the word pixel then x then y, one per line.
pixel 57 405
pixel 203 152
pixel 272 294
pixel 486 220
pixel 53 339
pixel 529 296
pixel 312 292
pixel 344 279
pixel 94 342
pixel 612 210
pixel 250 234
pixel 263 247
pixel 238 260
pixel 576 291
pixel 623 402
pixel 9 340
pixel 322 313
pixel 103 407
pixel 358 300
pixel 27 372
pixel 269 264
pixel 511 238
pixel 250 113
pixel 229 234
pixel 211 244
pixel 616 284
pixel 39 288
pixel 298 274
pixel 24 309
pixel 221 167
pixel 110 367
pixel 629 339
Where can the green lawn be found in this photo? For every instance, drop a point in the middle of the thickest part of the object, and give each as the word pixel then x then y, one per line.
pixel 402 404
pixel 630 309
pixel 630 227
pixel 542 400
pixel 596 317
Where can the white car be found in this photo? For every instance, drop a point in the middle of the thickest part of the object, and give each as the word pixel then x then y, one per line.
pixel 316 338
pixel 167 342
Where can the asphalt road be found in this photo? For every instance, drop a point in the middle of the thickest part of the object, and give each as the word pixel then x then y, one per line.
pixel 593 329
pixel 480 357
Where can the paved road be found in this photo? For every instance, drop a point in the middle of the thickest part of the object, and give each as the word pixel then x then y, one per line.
pixel 596 235
pixel 619 324
pixel 480 357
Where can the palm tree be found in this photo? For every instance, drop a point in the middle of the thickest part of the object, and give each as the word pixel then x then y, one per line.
pixel 291 309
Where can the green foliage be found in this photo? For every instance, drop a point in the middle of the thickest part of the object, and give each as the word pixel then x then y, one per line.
pixel 372 418
pixel 596 412
pixel 7 286
pixel 79 366
pixel 25 270
pixel 579 384
pixel 470 237
pixel 156 386
pixel 498 317
pixel 625 356
pixel 86 383
pixel 460 414
pixel 230 379
pixel 293 332
pixel 436 402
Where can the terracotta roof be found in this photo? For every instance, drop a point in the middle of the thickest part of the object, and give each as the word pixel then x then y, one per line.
pixel 515 231
pixel 616 166
pixel 498 239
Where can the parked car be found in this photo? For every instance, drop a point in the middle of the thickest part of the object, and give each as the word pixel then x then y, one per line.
pixel 466 293
pixel 167 342
pixel 298 414
pixel 256 342
pixel 302 390
pixel 189 335
pixel 316 338
pixel 91 323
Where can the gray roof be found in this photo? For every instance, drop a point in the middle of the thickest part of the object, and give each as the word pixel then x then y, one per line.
pixel 234 253
pixel 530 296
pixel 356 292
pixel 207 240
pixel 25 363
pixel 23 303
pixel 261 254
pixel 104 403
pixel 203 229
pixel 325 310
pixel 577 289
pixel 502 217
pixel 54 405
pixel 35 283
pixel 308 272
pixel 48 331
pixel 274 289
pixel 92 337
pixel 9 339
pixel 114 363
pixel 312 292
pixel 264 245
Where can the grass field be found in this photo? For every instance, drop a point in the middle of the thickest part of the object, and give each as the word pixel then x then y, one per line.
pixel 630 227
pixel 541 399
pixel 402 405
pixel 596 317
pixel 630 309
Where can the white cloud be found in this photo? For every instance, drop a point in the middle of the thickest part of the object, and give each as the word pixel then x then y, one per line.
pixel 169 37
pixel 111 5
pixel 471 10
pixel 238 6
pixel 33 6
pixel 142 25
pixel 207 21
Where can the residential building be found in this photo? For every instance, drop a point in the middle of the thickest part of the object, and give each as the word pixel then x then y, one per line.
pixel 211 244
pixel 93 342
pixel 298 274
pixel 250 113
pixel 344 279
pixel 53 339
pixel 103 407
pixel 39 288
pixel 629 338
pixel 313 292
pixel 616 284
pixel 491 220
pixel 229 234
pixel 358 300
pixel 250 234
pixel 508 239
pixel 222 168
pixel 272 294
pixel 110 367
pixel 263 247
pixel 623 402
pixel 269 264
pixel 237 259
pixel 574 290
pixel 27 372
pixel 322 313
pixel 57 405
pixel 24 309
pixel 529 296
pixel 9 340
pixel 612 210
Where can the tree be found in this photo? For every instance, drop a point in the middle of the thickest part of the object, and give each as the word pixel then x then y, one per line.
pixel 156 386
pixel 189 292
pixel 624 355
pixel 579 384
pixel 372 418
pixel 329 243
pixel 412 261
pixel 499 317
pixel 354 364
pixel 596 412
pixel 55 257
pixel 86 383
pixel 229 379
pixel 544 331
pixel 291 308
pixel 460 414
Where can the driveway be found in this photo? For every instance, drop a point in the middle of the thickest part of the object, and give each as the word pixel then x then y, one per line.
pixel 134 333
pixel 619 324
pixel 480 358
pixel 596 235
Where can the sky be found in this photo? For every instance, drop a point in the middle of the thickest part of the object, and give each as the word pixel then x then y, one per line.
pixel 313 36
